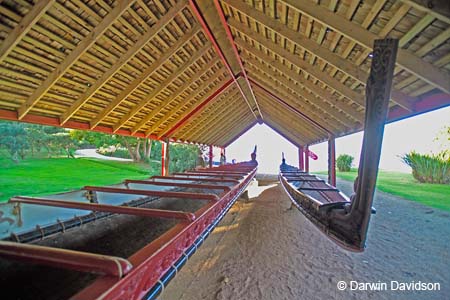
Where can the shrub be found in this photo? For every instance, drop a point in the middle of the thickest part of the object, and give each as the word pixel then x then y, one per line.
pixel 344 162
pixel 429 168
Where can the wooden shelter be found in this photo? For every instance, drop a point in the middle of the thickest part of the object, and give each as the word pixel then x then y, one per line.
pixel 206 71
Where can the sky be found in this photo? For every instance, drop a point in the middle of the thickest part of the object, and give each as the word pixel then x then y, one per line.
pixel 417 133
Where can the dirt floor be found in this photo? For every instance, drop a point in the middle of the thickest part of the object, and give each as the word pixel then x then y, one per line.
pixel 262 250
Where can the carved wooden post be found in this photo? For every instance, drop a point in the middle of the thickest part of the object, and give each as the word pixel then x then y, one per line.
pixel 332 161
pixel 378 93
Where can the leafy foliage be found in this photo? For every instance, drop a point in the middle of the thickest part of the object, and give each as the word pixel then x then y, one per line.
pixel 183 157
pixel 344 162
pixel 429 168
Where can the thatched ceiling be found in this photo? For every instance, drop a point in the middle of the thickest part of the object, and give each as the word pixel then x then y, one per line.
pixel 205 71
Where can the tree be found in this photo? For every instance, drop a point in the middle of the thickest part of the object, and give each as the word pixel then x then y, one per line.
pixel 13 137
pixel 344 162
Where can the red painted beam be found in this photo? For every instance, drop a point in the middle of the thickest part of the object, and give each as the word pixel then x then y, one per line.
pixel 54 121
pixel 210 154
pixel 198 108
pixel 307 158
pixel 212 175
pixel 165 157
pixel 280 133
pixel 144 212
pixel 290 107
pixel 66 259
pixel 183 195
pixel 426 104
pixel 332 161
pixel 178 184
pixel 301 161
pixel 247 128
pixel 195 179
pixel 235 50
pixel 211 37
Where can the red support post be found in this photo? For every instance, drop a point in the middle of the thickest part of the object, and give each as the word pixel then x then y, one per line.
pixel 210 156
pixel 332 161
pixel 301 161
pixel 307 159
pixel 165 157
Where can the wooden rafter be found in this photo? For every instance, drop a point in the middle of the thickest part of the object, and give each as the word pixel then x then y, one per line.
pixel 311 46
pixel 124 59
pixel 324 94
pixel 163 85
pixel 198 124
pixel 323 119
pixel 230 126
pixel 283 132
pixel 72 58
pixel 181 103
pixel 307 129
pixel 194 107
pixel 199 117
pixel 144 75
pixel 21 29
pixel 406 59
pixel 223 112
pixel 282 126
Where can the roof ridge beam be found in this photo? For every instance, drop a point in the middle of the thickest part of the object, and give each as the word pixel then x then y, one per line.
pixel 235 51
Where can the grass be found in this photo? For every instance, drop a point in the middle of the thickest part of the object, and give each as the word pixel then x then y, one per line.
pixel 405 186
pixel 33 177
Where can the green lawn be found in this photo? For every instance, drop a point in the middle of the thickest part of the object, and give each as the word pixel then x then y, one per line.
pixel 52 175
pixel 405 186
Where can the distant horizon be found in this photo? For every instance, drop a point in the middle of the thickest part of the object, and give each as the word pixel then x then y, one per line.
pixel 415 133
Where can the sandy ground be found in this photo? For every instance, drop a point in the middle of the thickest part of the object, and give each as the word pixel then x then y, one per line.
pixel 262 250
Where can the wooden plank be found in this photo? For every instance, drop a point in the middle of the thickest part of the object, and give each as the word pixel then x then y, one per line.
pixel 439 9
pixel 225 111
pixel 327 96
pixel 181 102
pixel 22 28
pixel 211 110
pixel 330 118
pixel 406 59
pixel 163 85
pixel 144 76
pixel 124 59
pixel 70 60
pixel 194 105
